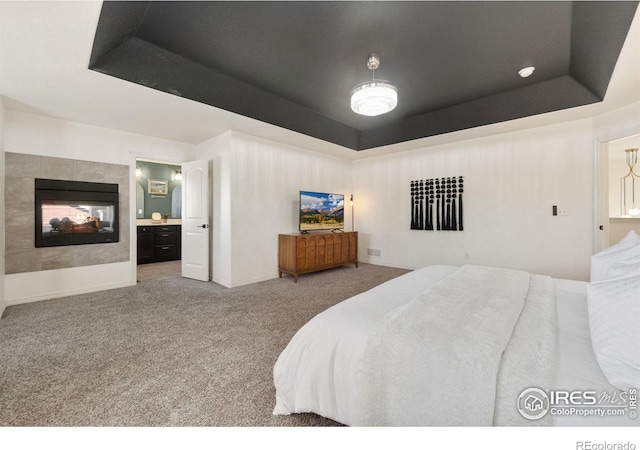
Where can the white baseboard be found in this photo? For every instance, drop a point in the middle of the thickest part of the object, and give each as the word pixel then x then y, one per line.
pixel 221 282
pixel 375 261
pixel 254 280
pixel 65 293
pixel 45 285
pixel 234 284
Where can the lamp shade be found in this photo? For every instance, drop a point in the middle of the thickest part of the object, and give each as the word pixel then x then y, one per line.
pixel 373 98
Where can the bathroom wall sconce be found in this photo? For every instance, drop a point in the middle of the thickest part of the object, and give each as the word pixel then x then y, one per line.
pixel 138 172
pixel 177 176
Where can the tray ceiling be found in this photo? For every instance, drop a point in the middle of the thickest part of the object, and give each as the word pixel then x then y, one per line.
pixel 294 64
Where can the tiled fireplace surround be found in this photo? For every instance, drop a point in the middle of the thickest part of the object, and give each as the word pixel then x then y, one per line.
pixel 21 255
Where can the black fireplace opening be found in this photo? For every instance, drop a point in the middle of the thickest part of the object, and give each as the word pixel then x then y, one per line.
pixel 75 212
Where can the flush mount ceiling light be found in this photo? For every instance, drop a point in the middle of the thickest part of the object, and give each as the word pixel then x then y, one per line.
pixel 374 97
pixel 526 72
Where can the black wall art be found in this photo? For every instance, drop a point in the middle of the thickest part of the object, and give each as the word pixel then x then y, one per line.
pixel 436 204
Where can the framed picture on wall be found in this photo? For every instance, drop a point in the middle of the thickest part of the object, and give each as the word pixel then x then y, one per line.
pixel 159 187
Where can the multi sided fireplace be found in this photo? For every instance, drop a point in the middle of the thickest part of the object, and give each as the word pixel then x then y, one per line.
pixel 75 212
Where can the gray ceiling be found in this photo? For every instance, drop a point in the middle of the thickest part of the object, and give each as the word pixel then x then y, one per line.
pixel 294 64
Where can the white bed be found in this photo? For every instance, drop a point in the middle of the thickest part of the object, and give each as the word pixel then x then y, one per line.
pixel 576 364
pixel 319 370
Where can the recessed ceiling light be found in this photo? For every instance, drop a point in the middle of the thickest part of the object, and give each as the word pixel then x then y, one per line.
pixel 527 71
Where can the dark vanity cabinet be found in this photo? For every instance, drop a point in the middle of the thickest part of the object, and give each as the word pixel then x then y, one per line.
pixel 158 243
pixel 146 252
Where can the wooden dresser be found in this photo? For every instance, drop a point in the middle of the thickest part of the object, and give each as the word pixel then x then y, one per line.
pixel 304 253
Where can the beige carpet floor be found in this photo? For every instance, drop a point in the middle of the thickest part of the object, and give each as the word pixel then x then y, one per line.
pixel 167 352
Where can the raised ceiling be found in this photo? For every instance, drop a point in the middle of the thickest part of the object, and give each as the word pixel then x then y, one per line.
pixel 293 64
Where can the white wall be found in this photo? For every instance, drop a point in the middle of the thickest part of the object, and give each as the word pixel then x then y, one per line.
pixel 618 124
pixel 217 151
pixel 38 135
pixel 512 180
pixel 619 228
pixel 511 183
pixel 256 197
pixel 617 169
pixel 3 303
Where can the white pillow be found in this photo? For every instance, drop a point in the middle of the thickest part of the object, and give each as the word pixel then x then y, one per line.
pixel 614 320
pixel 622 269
pixel 631 238
pixel 625 250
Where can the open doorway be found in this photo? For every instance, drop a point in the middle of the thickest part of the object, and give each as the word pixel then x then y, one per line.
pixel 158 219
pixel 620 208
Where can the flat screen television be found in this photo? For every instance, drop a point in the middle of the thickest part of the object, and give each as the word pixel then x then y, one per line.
pixel 321 211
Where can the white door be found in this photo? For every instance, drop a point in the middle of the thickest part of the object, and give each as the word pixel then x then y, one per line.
pixel 195 220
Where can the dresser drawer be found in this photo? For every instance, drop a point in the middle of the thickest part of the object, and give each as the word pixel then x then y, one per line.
pixel 145 230
pixel 167 237
pixel 166 252
pixel 166 228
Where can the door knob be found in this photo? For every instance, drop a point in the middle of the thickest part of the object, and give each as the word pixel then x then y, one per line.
pixel 204 225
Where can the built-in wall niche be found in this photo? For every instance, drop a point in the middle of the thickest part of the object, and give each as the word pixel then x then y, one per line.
pixel 624 187
pixel 624 177
pixel 158 189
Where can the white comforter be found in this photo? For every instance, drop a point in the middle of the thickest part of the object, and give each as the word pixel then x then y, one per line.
pixel 437 360
pixel 321 370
